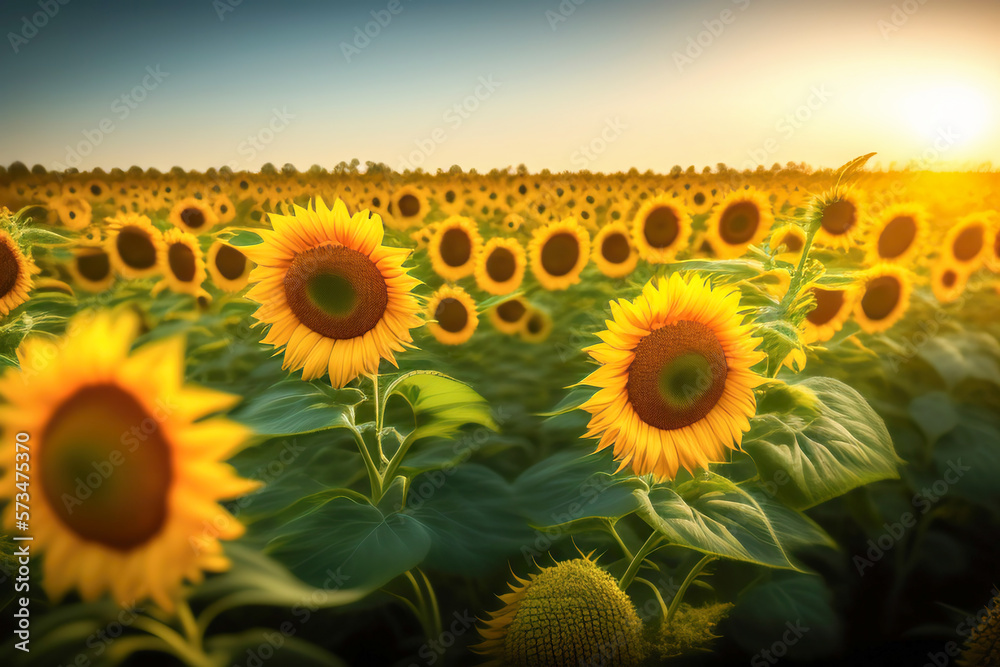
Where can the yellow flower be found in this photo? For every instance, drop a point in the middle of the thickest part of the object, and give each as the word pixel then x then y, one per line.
pixel 898 236
pixel 840 220
pixel 91 269
pixel 126 475
pixel 948 280
pixel 791 241
pixel 613 252
pixel 743 218
pixel 884 296
pixel 661 228
pixel 74 212
pixel 336 299
pixel 675 385
pixel 559 251
pixel 454 315
pixel 966 242
pixel 508 317
pixel 409 207
pixel 500 266
pixel 182 264
pixel 193 215
pixel 228 267
pixel 16 269
pixel 454 248
pixel 537 326
pixel 133 245
pixel 833 307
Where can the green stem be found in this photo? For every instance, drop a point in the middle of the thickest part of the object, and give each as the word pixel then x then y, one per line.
pixel 796 283
pixel 435 609
pixel 656 591
pixel 695 571
pixel 373 476
pixel 618 539
pixel 181 648
pixel 649 547
pixel 379 416
pixel 189 625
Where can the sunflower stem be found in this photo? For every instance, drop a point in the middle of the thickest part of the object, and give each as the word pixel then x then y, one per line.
pixel 618 539
pixel 379 416
pixel 659 598
pixel 435 609
pixel 373 476
pixel 188 623
pixel 181 648
pixel 649 547
pixel 688 580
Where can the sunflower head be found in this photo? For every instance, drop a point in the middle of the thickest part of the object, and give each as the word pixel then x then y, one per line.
pixel 451 314
pixel 898 235
pixel 948 280
pixel 883 297
pixel 91 269
pixel 335 298
pixel 569 614
pixel 73 211
pixel 839 216
pixel 661 228
pixel 743 218
pixel 127 473
pixel 455 247
pixel 675 387
pixel 559 251
pixel 500 266
pixel 966 244
pixel 193 215
pixel 828 315
pixel 228 267
pixel 537 326
pixel 182 263
pixel 134 244
pixel 408 207
pixel 613 253
pixel 508 317
pixel 16 271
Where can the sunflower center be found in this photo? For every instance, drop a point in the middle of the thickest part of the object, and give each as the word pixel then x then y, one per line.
pixel 699 198
pixel 105 467
pixel 95 190
pixel 409 206
pixel 897 237
pixel 560 253
pixel 511 311
pixel 136 248
pixel 881 297
pixel 949 278
pixel 828 304
pixel 451 315
pixel 193 217
pixel 456 247
pixel 182 262
pixel 501 265
pixel 336 291
pixel 739 223
pixel 968 243
pixel 94 266
pixel 839 217
pixel 10 269
pixel 791 242
pixel 615 248
pixel 230 262
pixel 661 228
pixel 678 375
pixel 535 324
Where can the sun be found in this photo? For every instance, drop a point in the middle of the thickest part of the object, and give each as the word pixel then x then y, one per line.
pixel 957 111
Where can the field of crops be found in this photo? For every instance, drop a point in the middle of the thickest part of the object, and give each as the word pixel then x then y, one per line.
pixel 363 417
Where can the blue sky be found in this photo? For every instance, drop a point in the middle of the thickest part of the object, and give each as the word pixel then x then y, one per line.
pixel 602 85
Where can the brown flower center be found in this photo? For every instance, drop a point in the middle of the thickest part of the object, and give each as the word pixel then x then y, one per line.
pixel 678 375
pixel 336 291
pixel 409 206
pixel 881 297
pixel 105 467
pixel 897 237
pixel 501 265
pixel 193 217
pixel 136 248
pixel 10 268
pixel 661 227
pixel 739 223
pixel 839 217
pixel 828 304
pixel 230 262
pixel 456 247
pixel 94 266
pixel 451 315
pixel 560 253
pixel 511 311
pixel 968 243
pixel 615 248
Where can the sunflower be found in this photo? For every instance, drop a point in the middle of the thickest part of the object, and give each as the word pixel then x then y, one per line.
pixel 95 190
pixel 743 218
pixel 193 215
pixel 182 264
pixel 537 326
pixel 833 307
pixel 73 212
pixel 661 228
pixel 16 269
pixel 790 240
pixel 613 251
pixel 508 317
pixel 335 298
pixel 966 243
pixel 454 248
pixel 512 222
pixel 898 235
pixel 126 474
pixel 228 267
pixel 700 199
pixel 133 245
pixel 559 251
pixel 409 207
pixel 91 269
pixel 839 219
pixel 884 296
pixel 948 281
pixel 454 315
pixel 675 385
pixel 222 207
pixel 500 266
pixel 572 613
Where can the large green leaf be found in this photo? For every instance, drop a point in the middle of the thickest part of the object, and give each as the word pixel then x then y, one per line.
pixel 441 405
pixel 293 406
pixel 714 515
pixel 357 544
pixel 830 443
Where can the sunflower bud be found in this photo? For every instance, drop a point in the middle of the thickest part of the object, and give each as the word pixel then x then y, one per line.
pixel 570 614
pixel 983 646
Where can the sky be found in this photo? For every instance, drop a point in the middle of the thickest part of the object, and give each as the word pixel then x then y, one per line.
pixel 604 85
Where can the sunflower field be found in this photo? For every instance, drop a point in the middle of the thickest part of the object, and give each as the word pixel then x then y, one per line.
pixel 359 417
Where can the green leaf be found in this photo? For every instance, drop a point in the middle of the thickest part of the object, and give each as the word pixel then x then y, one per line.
pixel 793 605
pixel 293 406
pixel 934 414
pixel 243 237
pixel 715 516
pixel 573 400
pixel 809 459
pixel 441 405
pixel 355 543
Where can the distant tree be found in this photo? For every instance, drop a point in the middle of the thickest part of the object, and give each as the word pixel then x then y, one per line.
pixel 18 170
pixel 676 170
pixel 268 168
pixel 288 169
